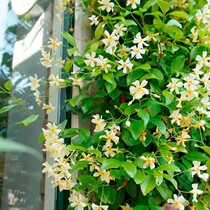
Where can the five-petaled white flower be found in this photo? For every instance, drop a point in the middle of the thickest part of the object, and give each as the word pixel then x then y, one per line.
pixel 100 123
pixel 204 60
pixel 137 52
pixel 100 207
pixel 133 3
pixel 106 5
pixel 174 85
pixel 179 202
pixel 140 41
pixel 55 80
pixel 77 81
pixel 149 162
pixel 182 138
pixel 126 207
pixel 197 168
pixel 176 117
pixel 54 43
pixel 48 107
pixel 34 82
pixel 119 29
pixel 111 39
pixel 125 65
pixel 195 191
pixel 137 90
pixel 90 59
pixel 94 20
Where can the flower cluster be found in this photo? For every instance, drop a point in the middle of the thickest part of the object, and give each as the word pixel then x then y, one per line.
pixel 143 82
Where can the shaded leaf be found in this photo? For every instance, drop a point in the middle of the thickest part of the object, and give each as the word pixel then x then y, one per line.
pixel 28 120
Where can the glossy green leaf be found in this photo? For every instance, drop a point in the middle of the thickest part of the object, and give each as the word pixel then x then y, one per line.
pixel 144 115
pixel 69 38
pixel 8 85
pixel 169 97
pixel 86 180
pixel 78 166
pixel 159 123
pixel 99 31
pixel 178 63
pixel 148 184
pixel 168 167
pixel 139 177
pixel 130 168
pixel 174 32
pixel 74 147
pixel 71 51
pixel 180 14
pixel 29 120
pixel 68 65
pixel 196 156
pixel 77 99
pixel 170 179
pixel 206 149
pixel 110 163
pixel 164 5
pixel 7 108
pixel 136 129
pixel 164 191
pixel 149 3
pixel 141 207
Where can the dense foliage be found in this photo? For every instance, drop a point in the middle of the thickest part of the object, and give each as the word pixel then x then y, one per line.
pixel 144 82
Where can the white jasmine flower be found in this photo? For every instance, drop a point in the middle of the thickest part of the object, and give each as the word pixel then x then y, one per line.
pixel 178 202
pixel 204 60
pixel 48 107
pixel 176 117
pixel 119 29
pixel 54 43
pixel 203 15
pixel 91 59
pixel 106 5
pixel 109 151
pixel 189 94
pixel 133 3
pixel 34 82
pixel 174 85
pixel 46 61
pixel 115 128
pixel 137 90
pixel 149 162
pixel 137 52
pixel 60 63
pixel 110 136
pixel 111 39
pixel 197 168
pixel 78 202
pixel 100 123
pixel 141 42
pixel 205 177
pixel 195 191
pixel 55 80
pixel 191 82
pixel 77 81
pixel 125 65
pixel 194 34
pixel 200 124
pixel 100 207
pixel 183 138
pixel 94 20
pixel 104 175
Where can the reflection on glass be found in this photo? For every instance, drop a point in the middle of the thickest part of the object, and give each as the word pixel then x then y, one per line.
pixel 21 181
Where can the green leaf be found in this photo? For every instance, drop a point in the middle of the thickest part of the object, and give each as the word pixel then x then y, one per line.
pixel 130 168
pixel 99 31
pixel 78 166
pixel 41 137
pixel 110 86
pixel 168 96
pixel 86 104
pixel 110 163
pixel 196 156
pixel 149 3
pixel 74 147
pixel 136 129
pixel 164 191
pixel 7 108
pixel 28 120
pixel 174 23
pixel 69 38
pixel 68 65
pixel 8 85
pixel 180 14
pixel 141 207
pixel 164 6
pixel 76 100
pixel 174 32
pixel 7 145
pixel 109 77
pixel 139 177
pixel 70 132
pixel 71 51
pixel 62 125
pixel 170 179
pixel 87 180
pixel 128 138
pixel 178 63
pixel 144 115
pixel 159 123
pixel 130 23
pixel 168 167
pixel 148 184
pixel 206 149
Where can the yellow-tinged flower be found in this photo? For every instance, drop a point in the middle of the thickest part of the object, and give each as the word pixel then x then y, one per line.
pixel 195 191
pixel 138 90
pixel 179 202
pixel 100 123
pixel 34 82
pixel 100 207
pixel 48 107
pixel 126 207
pixel 149 162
